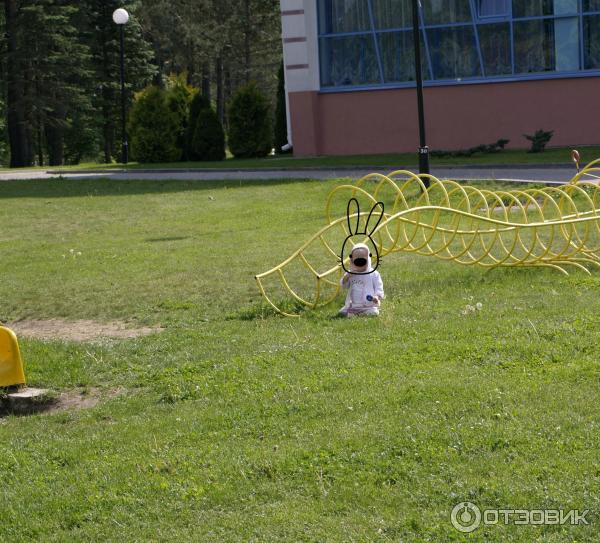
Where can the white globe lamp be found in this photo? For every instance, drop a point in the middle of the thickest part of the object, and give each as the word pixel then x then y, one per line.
pixel 120 16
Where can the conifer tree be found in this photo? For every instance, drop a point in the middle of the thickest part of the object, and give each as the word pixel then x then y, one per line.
pixel 208 142
pixel 250 129
pixel 179 97
pixel 102 36
pixel 47 67
pixel 153 127
pixel 199 103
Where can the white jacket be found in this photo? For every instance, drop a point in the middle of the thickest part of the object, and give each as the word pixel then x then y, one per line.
pixel 360 286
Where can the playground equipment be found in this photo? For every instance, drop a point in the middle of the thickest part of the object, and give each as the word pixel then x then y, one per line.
pixel 554 226
pixel 11 365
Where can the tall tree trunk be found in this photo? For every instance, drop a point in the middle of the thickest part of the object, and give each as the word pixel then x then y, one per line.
pixel 55 138
pixel 40 141
pixel 220 88
pixel 191 65
pixel 19 130
pixel 227 90
pixel 108 130
pixel 247 30
pixel 157 78
pixel 206 80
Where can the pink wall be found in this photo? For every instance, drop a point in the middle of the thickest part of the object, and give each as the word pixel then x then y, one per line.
pixel 457 116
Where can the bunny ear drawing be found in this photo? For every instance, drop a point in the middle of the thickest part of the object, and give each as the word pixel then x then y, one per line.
pixel 380 216
pixel 349 214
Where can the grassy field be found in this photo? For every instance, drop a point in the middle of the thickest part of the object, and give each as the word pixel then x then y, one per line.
pixel 237 425
pixel 557 155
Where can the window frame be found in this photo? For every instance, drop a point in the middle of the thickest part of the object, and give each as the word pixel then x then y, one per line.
pixel 492 18
pixel 475 23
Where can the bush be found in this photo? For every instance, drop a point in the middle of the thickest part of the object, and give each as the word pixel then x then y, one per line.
pixel 539 140
pixel 179 97
pixel 153 128
pixel 250 133
pixel 483 149
pixel 280 132
pixel 197 105
pixel 208 142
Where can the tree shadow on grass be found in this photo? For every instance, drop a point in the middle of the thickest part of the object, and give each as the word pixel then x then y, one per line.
pixel 65 188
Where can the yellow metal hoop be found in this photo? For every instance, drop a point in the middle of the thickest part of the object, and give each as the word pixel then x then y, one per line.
pixel 551 227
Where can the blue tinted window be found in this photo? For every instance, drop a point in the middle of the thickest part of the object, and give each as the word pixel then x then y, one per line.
pixel 591 42
pixel 343 16
pixel 544 45
pixel 398 58
pixel 565 7
pixel 566 44
pixel 534 46
pixel 494 40
pixel 493 8
pixel 453 52
pixel 539 8
pixel 369 42
pixel 446 11
pixel 348 60
pixel 392 13
pixel 591 5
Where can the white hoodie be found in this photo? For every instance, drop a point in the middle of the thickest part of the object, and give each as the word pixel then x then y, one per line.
pixel 361 285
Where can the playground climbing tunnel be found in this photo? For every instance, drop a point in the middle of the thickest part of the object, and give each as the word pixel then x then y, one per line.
pixel 550 226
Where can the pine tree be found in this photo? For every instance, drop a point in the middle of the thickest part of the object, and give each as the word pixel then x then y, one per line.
pixel 46 68
pixel 102 36
pixel 198 104
pixel 219 44
pixel 250 129
pixel 4 155
pixel 17 114
pixel 208 142
pixel 60 73
pixel 183 35
pixel 179 97
pixel 153 128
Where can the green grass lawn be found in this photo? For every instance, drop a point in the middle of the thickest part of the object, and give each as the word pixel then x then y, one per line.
pixel 557 155
pixel 238 425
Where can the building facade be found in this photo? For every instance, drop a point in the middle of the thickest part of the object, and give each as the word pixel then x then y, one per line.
pixel 492 69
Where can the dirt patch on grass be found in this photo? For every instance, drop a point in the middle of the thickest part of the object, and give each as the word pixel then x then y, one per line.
pixel 81 330
pixel 83 398
pixel 49 401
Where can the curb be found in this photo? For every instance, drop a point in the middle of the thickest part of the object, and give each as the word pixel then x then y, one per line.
pixel 314 168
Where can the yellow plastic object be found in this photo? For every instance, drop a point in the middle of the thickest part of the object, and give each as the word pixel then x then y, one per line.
pixel 11 365
pixel 556 226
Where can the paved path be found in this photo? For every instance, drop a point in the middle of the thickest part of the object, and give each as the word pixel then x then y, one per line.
pixel 556 174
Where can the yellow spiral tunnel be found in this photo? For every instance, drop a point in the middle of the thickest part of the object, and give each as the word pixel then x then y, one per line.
pixel 554 226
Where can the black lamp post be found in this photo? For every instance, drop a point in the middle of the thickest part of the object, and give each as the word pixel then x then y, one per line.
pixel 423 149
pixel 120 17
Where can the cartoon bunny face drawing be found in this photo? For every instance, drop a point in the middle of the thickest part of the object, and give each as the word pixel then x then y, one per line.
pixel 359 253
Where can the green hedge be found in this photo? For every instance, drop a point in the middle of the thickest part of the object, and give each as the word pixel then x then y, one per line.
pixel 179 95
pixel 250 128
pixel 198 104
pixel 154 128
pixel 208 142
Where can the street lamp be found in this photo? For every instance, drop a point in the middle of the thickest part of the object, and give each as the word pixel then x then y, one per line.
pixel 423 149
pixel 120 17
